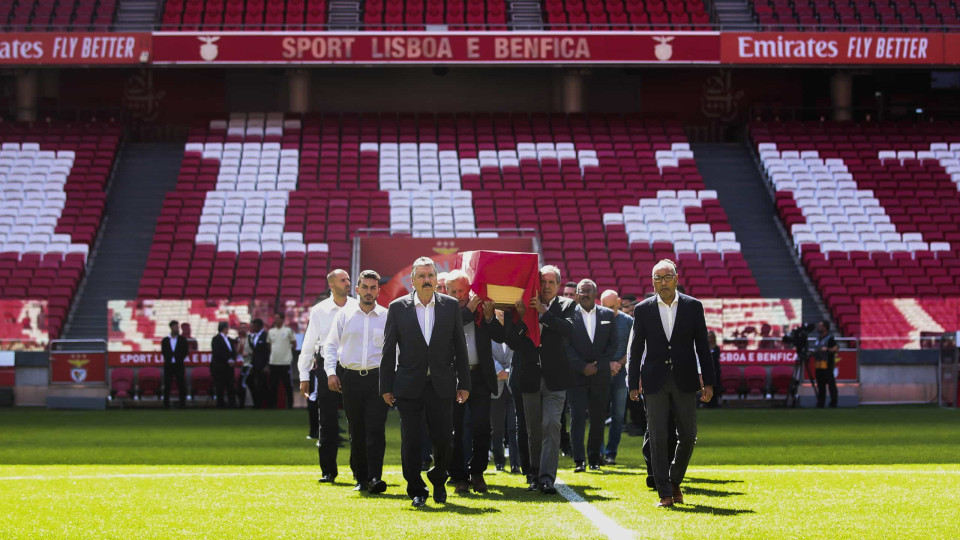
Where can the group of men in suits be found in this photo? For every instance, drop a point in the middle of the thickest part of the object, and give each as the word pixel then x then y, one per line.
pixel 259 356
pixel 435 356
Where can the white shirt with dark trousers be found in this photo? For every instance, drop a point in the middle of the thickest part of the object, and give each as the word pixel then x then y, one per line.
pixel 321 319
pixel 355 341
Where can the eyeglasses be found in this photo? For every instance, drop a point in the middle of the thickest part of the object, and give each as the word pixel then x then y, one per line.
pixel 668 277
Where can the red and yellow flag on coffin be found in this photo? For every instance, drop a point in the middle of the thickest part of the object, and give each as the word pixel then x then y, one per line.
pixel 495 274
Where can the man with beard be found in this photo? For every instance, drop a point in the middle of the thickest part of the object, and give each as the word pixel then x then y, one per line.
pixel 352 354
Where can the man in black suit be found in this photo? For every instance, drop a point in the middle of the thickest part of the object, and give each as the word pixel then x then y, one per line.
pixel 545 376
pixel 175 350
pixel 671 328
pixel 483 383
pixel 258 380
pixel 221 366
pixel 591 350
pixel 431 372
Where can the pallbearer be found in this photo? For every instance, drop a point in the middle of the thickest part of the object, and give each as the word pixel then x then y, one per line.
pixel 352 356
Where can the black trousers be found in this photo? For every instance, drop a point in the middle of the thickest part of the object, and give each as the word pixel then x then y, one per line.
pixel 439 419
pixel 522 436
pixel 367 418
pixel 169 372
pixel 479 404
pixel 243 386
pixel 671 446
pixel 670 402
pixel 328 403
pixel 313 413
pixel 825 380
pixel 223 384
pixel 280 375
pixel 259 384
pixel 590 399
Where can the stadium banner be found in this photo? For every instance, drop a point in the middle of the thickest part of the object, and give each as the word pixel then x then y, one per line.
pixel 391 257
pixel 819 48
pixel 436 48
pixel 951 49
pixel 152 359
pixel 67 367
pixel 74 48
pixel 23 325
pixel 139 326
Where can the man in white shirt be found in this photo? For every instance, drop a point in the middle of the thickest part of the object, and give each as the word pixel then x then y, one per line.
pixel 667 355
pixel 321 319
pixel 282 344
pixel 351 361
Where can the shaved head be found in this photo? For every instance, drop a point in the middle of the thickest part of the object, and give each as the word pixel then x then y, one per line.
pixel 610 299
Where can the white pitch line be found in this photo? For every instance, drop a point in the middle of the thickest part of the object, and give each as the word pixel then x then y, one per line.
pixel 807 470
pixel 607 526
pixel 166 475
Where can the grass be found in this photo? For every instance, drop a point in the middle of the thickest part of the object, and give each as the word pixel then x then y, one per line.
pixel 858 473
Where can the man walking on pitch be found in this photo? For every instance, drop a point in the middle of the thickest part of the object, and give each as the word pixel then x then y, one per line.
pixel 671 328
pixel 430 372
pixel 351 360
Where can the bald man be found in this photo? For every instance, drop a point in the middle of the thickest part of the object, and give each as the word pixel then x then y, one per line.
pixel 618 375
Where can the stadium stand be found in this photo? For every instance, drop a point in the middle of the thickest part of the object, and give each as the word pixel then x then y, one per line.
pixel 870 207
pixel 620 15
pixel 46 15
pixel 855 15
pixel 52 180
pixel 606 192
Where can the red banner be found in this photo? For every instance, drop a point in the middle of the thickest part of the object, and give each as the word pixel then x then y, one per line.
pixel 54 48
pixel 78 368
pixel 435 48
pixel 951 48
pixel 831 48
pixel 148 359
pixel 846 361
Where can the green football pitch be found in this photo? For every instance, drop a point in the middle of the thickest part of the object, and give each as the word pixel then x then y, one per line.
pixel 872 472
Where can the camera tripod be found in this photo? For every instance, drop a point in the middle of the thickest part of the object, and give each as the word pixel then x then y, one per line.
pixel 800 365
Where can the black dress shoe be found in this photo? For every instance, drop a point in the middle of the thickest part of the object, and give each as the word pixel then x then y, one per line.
pixel 327 479
pixel 358 486
pixel 500 467
pixel 580 467
pixel 419 501
pixel 610 460
pixel 534 486
pixel 515 470
pixel 548 488
pixel 594 466
pixel 439 494
pixel 376 486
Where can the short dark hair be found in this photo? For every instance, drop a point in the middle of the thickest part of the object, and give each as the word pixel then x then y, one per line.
pixel 223 325
pixel 280 315
pixel 570 284
pixel 257 321
pixel 368 274
pixel 629 298
pixel 173 323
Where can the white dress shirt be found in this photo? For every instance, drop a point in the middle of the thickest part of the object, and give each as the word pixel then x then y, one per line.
pixel 355 339
pixel 227 340
pixel 589 320
pixel 173 348
pixel 321 319
pixel 426 315
pixel 668 314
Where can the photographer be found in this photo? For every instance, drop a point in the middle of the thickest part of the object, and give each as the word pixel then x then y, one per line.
pixel 824 352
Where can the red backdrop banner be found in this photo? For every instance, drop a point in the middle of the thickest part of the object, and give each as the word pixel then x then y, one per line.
pixel 74 48
pixel 436 48
pixel 831 48
pixel 153 359
pixel 78 368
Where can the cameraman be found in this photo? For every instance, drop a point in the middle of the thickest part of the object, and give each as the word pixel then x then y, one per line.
pixel 824 353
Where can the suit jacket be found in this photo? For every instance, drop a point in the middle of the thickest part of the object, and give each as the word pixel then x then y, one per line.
pixel 483 334
pixel 505 359
pixel 261 351
pixel 179 354
pixel 601 350
pixel 221 353
pixel 445 356
pixel 689 341
pixel 548 361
